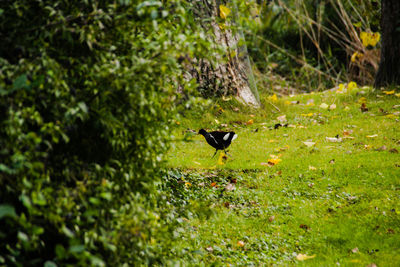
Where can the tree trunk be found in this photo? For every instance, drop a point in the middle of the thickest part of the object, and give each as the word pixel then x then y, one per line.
pixel 232 74
pixel 389 66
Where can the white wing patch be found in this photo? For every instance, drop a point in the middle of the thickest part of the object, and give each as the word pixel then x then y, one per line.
pixel 234 137
pixel 214 139
pixel 226 136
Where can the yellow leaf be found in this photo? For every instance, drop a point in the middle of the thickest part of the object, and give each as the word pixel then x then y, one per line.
pixel 240 243
pixel 369 38
pixel 187 184
pixel 224 11
pixel 362 100
pixel 365 38
pixel 273 162
pixel 222 158
pixel 397 95
pixel 307 115
pixel 273 98
pixel 374 38
pixel 351 85
pixel 389 92
pixel 303 257
pixel 249 122
pixel 356 56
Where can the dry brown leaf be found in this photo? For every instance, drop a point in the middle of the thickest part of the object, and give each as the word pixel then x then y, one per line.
pixel 240 243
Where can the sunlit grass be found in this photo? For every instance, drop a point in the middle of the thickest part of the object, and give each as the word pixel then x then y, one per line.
pixel 336 200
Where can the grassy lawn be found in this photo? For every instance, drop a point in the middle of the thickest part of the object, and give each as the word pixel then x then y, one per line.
pixel 325 201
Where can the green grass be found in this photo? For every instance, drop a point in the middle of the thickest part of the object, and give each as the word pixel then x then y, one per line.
pixel 323 200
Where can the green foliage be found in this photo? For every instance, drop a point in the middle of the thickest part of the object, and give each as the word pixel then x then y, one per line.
pixel 87 91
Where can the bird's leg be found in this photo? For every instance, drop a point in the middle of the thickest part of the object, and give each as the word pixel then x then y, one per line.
pixel 215 153
pixel 226 152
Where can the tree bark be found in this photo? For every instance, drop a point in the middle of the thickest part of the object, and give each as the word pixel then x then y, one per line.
pixel 389 66
pixel 231 74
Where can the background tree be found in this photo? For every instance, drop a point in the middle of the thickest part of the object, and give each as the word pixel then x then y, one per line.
pixel 389 66
pixel 229 71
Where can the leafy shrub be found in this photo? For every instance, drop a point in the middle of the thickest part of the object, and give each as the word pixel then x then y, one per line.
pixel 87 90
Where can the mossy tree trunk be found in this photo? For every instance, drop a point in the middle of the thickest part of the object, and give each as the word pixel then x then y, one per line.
pixel 230 74
pixel 389 66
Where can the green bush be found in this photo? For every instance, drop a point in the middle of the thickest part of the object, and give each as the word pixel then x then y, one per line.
pixel 87 92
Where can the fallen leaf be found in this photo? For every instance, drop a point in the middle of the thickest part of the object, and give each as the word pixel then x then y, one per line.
pixel 303 257
pixel 281 149
pixel 224 98
pixel 230 187
pixel 271 218
pixel 304 226
pixel 273 98
pixel 394 150
pixel 347 132
pixel 362 100
pixel 214 184
pixel 307 115
pixel 388 92
pixel 390 231
pixel 222 158
pixel 224 11
pixel 249 122
pixel 324 106
pixel 351 86
pixel 240 243
pixel 312 168
pixel 187 184
pixel 272 162
pixel 334 139
pixel 363 107
pixel 372 136
pixel 282 118
pixel 209 249
pixel 309 144
pixel 382 148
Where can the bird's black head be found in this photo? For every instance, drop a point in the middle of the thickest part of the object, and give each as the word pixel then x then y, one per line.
pixel 202 132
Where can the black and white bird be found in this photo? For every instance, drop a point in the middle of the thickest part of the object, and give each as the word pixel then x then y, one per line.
pixel 218 140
